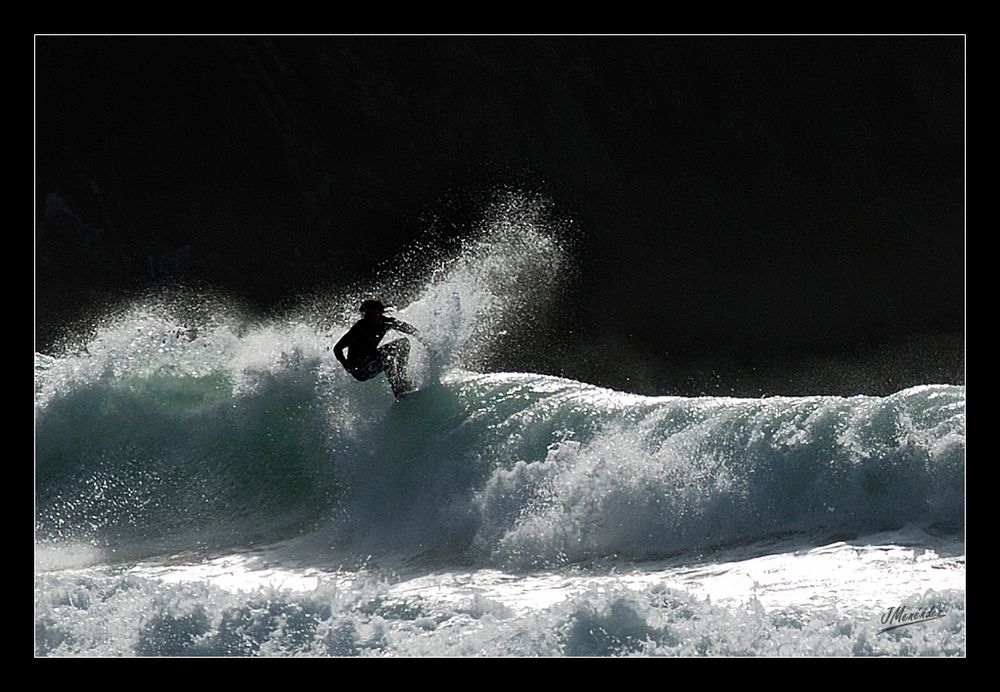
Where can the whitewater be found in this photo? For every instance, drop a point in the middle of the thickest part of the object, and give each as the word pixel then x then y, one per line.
pixel 209 485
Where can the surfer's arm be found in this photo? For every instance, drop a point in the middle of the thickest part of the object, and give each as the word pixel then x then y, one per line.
pixel 401 326
pixel 338 350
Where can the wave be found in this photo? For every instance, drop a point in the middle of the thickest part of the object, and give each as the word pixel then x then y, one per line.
pixel 164 433
pixel 513 469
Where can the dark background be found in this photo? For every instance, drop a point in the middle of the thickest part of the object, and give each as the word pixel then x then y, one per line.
pixel 759 215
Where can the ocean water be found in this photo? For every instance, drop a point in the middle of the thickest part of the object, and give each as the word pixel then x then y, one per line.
pixel 219 487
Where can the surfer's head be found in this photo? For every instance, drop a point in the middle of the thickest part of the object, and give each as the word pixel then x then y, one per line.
pixel 373 307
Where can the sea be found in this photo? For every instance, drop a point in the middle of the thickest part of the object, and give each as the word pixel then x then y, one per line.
pixel 209 484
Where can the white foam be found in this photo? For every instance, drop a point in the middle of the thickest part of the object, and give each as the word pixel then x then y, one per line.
pixel 827 601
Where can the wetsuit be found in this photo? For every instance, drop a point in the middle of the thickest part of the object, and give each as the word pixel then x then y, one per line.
pixel 366 359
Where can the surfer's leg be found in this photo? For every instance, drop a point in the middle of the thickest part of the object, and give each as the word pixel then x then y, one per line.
pixel 367 370
pixel 395 355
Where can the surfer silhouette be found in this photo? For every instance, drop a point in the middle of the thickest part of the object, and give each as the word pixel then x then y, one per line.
pixel 365 358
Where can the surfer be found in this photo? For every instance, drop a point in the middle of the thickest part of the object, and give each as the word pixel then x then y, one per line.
pixel 365 358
